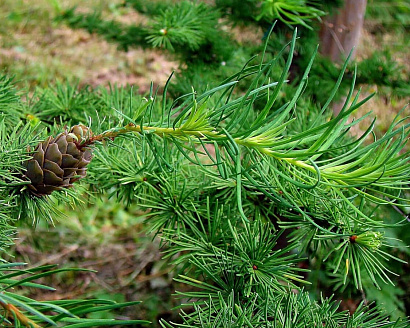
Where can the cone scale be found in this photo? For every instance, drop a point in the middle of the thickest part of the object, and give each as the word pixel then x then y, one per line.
pixel 58 162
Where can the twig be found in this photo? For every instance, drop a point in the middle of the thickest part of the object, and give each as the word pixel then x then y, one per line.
pixel 13 312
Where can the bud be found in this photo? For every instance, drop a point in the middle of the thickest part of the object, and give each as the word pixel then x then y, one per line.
pixel 370 239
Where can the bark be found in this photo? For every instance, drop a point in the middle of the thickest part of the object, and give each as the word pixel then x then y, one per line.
pixel 341 32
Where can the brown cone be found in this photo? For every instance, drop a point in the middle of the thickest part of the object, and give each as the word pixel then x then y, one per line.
pixel 58 162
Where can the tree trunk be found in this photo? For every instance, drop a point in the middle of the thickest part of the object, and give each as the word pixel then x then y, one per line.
pixel 340 33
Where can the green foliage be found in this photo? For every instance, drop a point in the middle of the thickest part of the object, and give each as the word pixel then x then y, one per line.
pixel 198 43
pixel 188 29
pixel 64 101
pixel 19 311
pixel 126 37
pixel 218 175
pixel 291 12
pixel 245 179
pixel 390 298
pixel 389 14
pixel 184 25
pixel 149 8
pixel 241 11
pixel 9 102
pixel 14 142
pixel 191 30
pixel 291 310
pixel 382 70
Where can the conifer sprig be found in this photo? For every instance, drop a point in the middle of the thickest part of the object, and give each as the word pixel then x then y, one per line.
pixel 21 311
pixel 288 310
pixel 185 24
pixel 326 197
pixel 253 175
pixel 375 172
pixel 291 12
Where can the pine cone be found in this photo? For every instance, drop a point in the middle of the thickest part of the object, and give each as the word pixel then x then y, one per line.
pixel 58 162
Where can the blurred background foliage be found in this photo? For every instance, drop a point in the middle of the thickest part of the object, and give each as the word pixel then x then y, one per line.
pixel 58 51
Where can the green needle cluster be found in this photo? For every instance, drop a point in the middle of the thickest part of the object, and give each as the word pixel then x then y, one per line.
pixel 239 196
